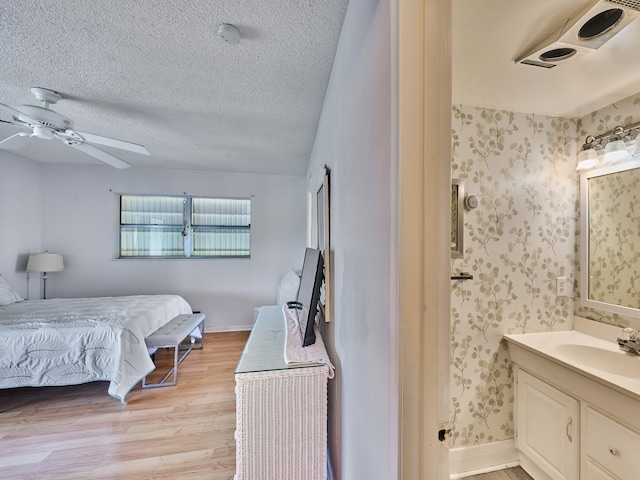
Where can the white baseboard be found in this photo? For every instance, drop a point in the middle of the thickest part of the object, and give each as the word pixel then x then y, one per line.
pixel 488 457
pixel 231 328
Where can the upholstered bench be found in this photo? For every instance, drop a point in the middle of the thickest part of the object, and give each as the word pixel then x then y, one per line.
pixel 171 335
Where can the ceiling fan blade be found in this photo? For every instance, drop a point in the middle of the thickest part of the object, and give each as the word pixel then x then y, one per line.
pixel 14 142
pixel 112 142
pixel 15 114
pixel 11 110
pixel 100 155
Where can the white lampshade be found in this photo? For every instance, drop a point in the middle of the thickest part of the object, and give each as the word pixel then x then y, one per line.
pixel 587 158
pixel 636 153
pixel 614 152
pixel 45 262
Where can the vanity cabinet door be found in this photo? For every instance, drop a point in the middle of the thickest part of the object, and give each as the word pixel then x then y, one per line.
pixel 546 429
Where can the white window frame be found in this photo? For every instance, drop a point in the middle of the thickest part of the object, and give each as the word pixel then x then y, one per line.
pixel 234 222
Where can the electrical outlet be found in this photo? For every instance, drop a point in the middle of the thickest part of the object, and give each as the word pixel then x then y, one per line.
pixel 562 287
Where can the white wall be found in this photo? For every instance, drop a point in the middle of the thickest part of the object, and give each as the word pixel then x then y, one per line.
pixel 20 220
pixel 80 221
pixel 354 140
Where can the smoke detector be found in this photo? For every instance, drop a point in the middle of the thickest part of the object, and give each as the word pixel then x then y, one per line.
pixel 228 33
pixel 583 33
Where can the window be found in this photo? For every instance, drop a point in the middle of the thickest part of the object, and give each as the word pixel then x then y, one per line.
pixel 184 226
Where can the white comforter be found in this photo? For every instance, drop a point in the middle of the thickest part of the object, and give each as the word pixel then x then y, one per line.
pixel 69 341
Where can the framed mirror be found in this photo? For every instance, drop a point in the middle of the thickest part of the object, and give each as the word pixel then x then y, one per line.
pixel 323 241
pixel 457 218
pixel 610 239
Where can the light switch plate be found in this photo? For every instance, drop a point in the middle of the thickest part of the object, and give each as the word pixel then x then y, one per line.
pixel 562 287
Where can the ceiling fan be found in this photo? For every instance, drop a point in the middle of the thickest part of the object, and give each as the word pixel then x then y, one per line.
pixel 47 124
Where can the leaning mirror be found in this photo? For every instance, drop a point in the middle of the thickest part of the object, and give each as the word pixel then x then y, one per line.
pixel 457 220
pixel 610 234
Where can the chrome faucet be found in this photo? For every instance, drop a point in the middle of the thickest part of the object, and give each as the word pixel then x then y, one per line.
pixel 630 341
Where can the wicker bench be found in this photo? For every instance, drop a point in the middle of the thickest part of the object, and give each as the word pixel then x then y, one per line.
pixel 171 335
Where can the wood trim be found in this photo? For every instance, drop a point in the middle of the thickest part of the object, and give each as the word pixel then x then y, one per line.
pixel 424 176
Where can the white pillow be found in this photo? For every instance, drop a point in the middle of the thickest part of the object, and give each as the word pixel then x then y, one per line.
pixel 7 294
pixel 288 287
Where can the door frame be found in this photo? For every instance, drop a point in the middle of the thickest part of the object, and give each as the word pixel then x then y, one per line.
pixel 423 146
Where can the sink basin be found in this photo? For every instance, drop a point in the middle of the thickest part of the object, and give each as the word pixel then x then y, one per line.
pixel 592 353
pixel 611 361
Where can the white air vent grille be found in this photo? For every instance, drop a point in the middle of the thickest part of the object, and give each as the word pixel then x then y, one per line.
pixel 537 64
pixel 583 33
pixel 633 4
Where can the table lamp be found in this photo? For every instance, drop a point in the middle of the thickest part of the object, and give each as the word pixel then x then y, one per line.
pixel 45 262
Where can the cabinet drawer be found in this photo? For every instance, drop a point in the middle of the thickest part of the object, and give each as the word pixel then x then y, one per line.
pixel 594 472
pixel 612 445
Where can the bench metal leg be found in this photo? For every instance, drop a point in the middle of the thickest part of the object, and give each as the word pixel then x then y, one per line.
pixel 176 361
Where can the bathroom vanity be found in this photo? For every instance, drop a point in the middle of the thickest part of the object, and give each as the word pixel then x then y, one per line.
pixel 577 403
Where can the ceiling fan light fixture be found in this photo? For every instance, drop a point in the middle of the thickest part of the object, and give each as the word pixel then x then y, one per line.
pixel 46 96
pixel 35 115
pixel 47 124
pixel 42 132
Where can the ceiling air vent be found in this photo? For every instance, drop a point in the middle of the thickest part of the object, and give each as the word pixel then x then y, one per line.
pixel 633 4
pixel 583 33
pixel 534 63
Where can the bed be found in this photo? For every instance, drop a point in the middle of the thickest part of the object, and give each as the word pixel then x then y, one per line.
pixel 67 341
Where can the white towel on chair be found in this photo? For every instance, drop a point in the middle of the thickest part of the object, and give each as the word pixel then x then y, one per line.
pixel 294 352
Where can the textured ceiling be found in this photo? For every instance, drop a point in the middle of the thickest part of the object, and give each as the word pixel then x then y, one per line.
pixel 488 35
pixel 155 73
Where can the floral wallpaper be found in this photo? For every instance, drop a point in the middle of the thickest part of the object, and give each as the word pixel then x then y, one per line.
pixel 523 234
pixel 517 241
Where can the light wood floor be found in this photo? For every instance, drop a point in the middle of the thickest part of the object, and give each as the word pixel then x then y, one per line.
pixel 80 432
pixel 508 474
pixel 182 432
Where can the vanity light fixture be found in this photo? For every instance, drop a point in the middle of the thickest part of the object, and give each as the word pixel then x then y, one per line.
pixel 615 151
pixel 616 146
pixel 636 150
pixel 588 156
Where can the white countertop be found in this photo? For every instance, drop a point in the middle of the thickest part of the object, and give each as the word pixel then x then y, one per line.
pixel 590 354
